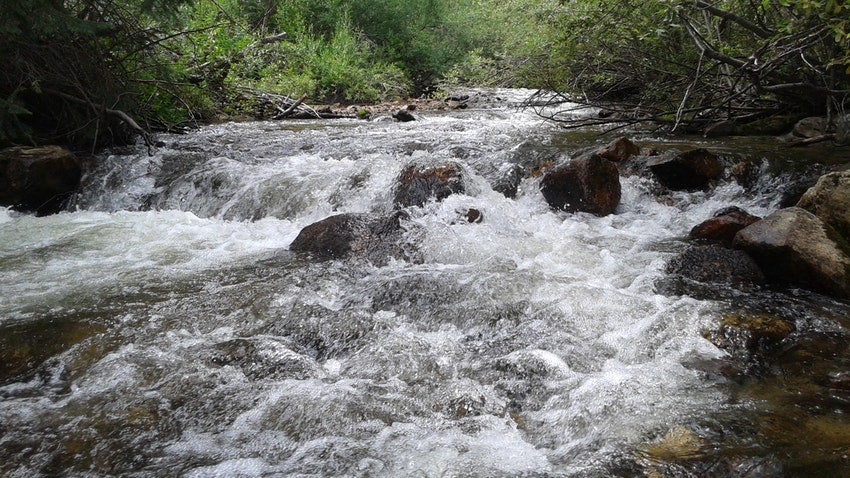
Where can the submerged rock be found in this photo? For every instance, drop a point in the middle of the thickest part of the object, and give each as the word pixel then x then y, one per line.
pixel 679 444
pixel 588 184
pixel 793 246
pixel 716 264
pixel 686 171
pixel 750 333
pixel 418 184
pixel 829 200
pixel 38 179
pixel 377 238
pixel 723 226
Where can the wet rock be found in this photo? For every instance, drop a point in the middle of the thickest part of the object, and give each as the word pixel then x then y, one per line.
pixel 750 333
pixel 792 193
pixel 689 171
pixel 716 264
pixel 404 116
pixel 418 184
pixel 474 215
pixel 723 226
pixel 264 358
pixel 621 149
pixel 679 444
pixel 377 238
pixel 24 347
pixel 588 183
pixel 793 246
pixel 811 127
pixel 829 200
pixel 38 179
pixel 744 173
pixel 508 180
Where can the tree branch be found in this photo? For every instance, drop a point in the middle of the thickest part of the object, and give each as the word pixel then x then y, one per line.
pixel 733 18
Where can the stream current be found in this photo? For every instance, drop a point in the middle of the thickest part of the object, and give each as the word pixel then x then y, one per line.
pixel 161 327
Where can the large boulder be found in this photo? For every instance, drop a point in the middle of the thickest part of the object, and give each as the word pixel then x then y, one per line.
pixel 417 183
pixel 723 226
pixel 688 171
pixel 793 246
pixel 716 264
pixel 811 127
pixel 377 238
pixel 38 179
pixel 588 183
pixel 829 200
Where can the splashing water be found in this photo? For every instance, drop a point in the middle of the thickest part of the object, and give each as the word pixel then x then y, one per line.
pixel 179 336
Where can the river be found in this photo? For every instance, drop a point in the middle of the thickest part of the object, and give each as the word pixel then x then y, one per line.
pixel 161 327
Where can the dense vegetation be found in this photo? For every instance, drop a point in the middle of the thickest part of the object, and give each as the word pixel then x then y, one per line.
pixel 91 72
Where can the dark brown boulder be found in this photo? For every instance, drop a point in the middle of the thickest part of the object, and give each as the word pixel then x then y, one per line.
pixel 418 184
pixel 793 246
pixel 404 116
pixel 38 179
pixel 588 184
pixel 377 238
pixel 723 226
pixel 744 173
pixel 688 171
pixel 716 264
pixel 619 150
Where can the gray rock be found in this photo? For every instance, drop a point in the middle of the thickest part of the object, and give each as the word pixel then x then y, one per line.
pixel 716 264
pixel 811 127
pixel 793 246
pixel 829 200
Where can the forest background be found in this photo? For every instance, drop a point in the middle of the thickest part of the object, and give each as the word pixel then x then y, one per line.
pixel 90 73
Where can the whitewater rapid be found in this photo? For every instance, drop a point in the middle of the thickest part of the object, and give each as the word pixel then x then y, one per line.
pixel 531 344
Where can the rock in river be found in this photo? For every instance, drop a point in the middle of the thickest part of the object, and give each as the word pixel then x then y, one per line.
pixel 38 179
pixel 418 183
pixel 723 226
pixel 377 238
pixel 829 200
pixel 619 150
pixel 793 246
pixel 588 183
pixel 716 264
pixel 686 171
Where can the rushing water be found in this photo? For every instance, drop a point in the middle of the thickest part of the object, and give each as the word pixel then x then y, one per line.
pixel 162 328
